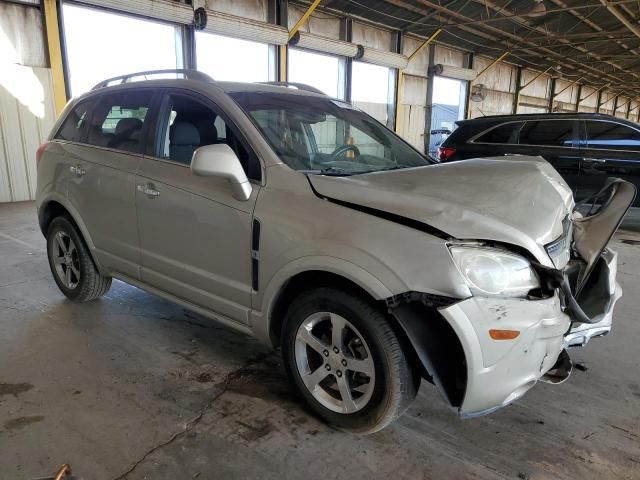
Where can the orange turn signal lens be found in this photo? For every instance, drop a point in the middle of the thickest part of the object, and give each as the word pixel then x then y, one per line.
pixel 503 334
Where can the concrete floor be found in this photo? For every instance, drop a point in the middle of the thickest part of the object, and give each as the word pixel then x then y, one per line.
pixel 134 387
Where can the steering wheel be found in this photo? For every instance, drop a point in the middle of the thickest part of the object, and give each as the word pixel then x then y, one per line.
pixel 341 150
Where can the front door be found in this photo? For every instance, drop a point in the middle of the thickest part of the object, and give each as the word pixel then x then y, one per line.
pixel 194 235
pixel 610 149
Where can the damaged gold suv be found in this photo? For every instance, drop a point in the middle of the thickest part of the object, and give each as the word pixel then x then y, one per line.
pixel 299 219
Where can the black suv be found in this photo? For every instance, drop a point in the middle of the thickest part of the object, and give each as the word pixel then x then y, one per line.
pixel 585 148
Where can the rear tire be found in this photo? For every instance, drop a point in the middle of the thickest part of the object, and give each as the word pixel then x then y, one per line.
pixel 359 379
pixel 71 265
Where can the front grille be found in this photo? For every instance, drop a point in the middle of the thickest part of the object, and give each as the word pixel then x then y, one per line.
pixel 560 249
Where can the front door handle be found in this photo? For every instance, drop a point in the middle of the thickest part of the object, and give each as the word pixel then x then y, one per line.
pixel 595 160
pixel 149 190
pixel 77 170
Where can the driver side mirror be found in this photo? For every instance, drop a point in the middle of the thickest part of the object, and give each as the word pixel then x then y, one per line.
pixel 219 160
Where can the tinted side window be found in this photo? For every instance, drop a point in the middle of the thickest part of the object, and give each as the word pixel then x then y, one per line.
pixel 611 135
pixel 506 133
pixel 551 133
pixel 192 124
pixel 118 120
pixel 74 127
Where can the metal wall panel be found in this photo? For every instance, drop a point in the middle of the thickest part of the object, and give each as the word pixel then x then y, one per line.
pixel 21 37
pixel 448 56
pixel 495 103
pixel 420 62
pixel 607 102
pixel 623 103
pixel 26 117
pixel 371 37
pixel 318 24
pixel 539 88
pixel 590 99
pixel 413 110
pixel 253 9
pixel 500 84
pixel 500 77
pixel 570 95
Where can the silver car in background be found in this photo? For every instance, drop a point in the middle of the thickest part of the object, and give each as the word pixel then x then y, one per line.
pixel 300 220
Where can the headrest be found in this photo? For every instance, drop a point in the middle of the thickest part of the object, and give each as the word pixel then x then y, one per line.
pixel 208 131
pixel 184 133
pixel 126 126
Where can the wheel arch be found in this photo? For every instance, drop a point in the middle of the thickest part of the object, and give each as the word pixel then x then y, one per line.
pixel 56 207
pixel 437 346
pixel 309 279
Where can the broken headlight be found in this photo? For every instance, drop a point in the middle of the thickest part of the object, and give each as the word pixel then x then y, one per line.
pixel 494 272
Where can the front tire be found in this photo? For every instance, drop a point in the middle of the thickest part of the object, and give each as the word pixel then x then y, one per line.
pixel 71 265
pixel 346 360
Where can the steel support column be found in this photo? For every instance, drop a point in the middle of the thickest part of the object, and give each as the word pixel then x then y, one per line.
pixel 56 62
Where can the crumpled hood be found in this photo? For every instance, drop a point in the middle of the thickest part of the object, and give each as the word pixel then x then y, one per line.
pixel 519 200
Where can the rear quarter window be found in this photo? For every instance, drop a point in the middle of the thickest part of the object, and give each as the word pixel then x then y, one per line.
pixel 74 126
pixel 505 133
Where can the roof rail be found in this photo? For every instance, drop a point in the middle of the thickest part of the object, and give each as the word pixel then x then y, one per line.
pixel 186 73
pixel 299 86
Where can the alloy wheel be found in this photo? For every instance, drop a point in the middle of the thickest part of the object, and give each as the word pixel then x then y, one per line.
pixel 334 362
pixel 66 260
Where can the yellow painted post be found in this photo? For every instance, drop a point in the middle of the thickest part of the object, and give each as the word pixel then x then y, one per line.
pixel 55 54
pixel 282 67
pixel 303 18
pixel 401 77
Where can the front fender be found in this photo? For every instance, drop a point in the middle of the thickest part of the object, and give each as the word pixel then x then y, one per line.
pixel 261 319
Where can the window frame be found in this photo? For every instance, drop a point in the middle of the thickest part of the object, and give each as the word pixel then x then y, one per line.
pixel 584 139
pixel 164 110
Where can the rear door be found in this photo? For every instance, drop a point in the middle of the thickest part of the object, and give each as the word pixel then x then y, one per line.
pixel 609 149
pixel 194 235
pixel 557 141
pixel 102 175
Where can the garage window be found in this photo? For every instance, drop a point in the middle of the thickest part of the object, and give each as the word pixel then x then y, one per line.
pixel 319 71
pixel 370 89
pixel 232 59
pixel 102 45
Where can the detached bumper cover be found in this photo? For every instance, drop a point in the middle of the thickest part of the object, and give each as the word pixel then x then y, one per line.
pixel 501 371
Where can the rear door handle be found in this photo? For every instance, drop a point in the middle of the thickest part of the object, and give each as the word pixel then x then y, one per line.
pixel 149 190
pixel 77 170
pixel 595 160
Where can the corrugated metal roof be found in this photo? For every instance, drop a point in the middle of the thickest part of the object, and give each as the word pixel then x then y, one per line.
pixel 576 38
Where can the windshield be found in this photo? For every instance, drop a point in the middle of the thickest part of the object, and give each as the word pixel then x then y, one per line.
pixel 326 136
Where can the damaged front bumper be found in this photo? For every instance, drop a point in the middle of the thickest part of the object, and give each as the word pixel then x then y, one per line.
pixel 501 371
pixel 575 303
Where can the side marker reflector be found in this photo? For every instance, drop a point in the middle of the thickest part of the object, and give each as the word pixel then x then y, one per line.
pixel 503 334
